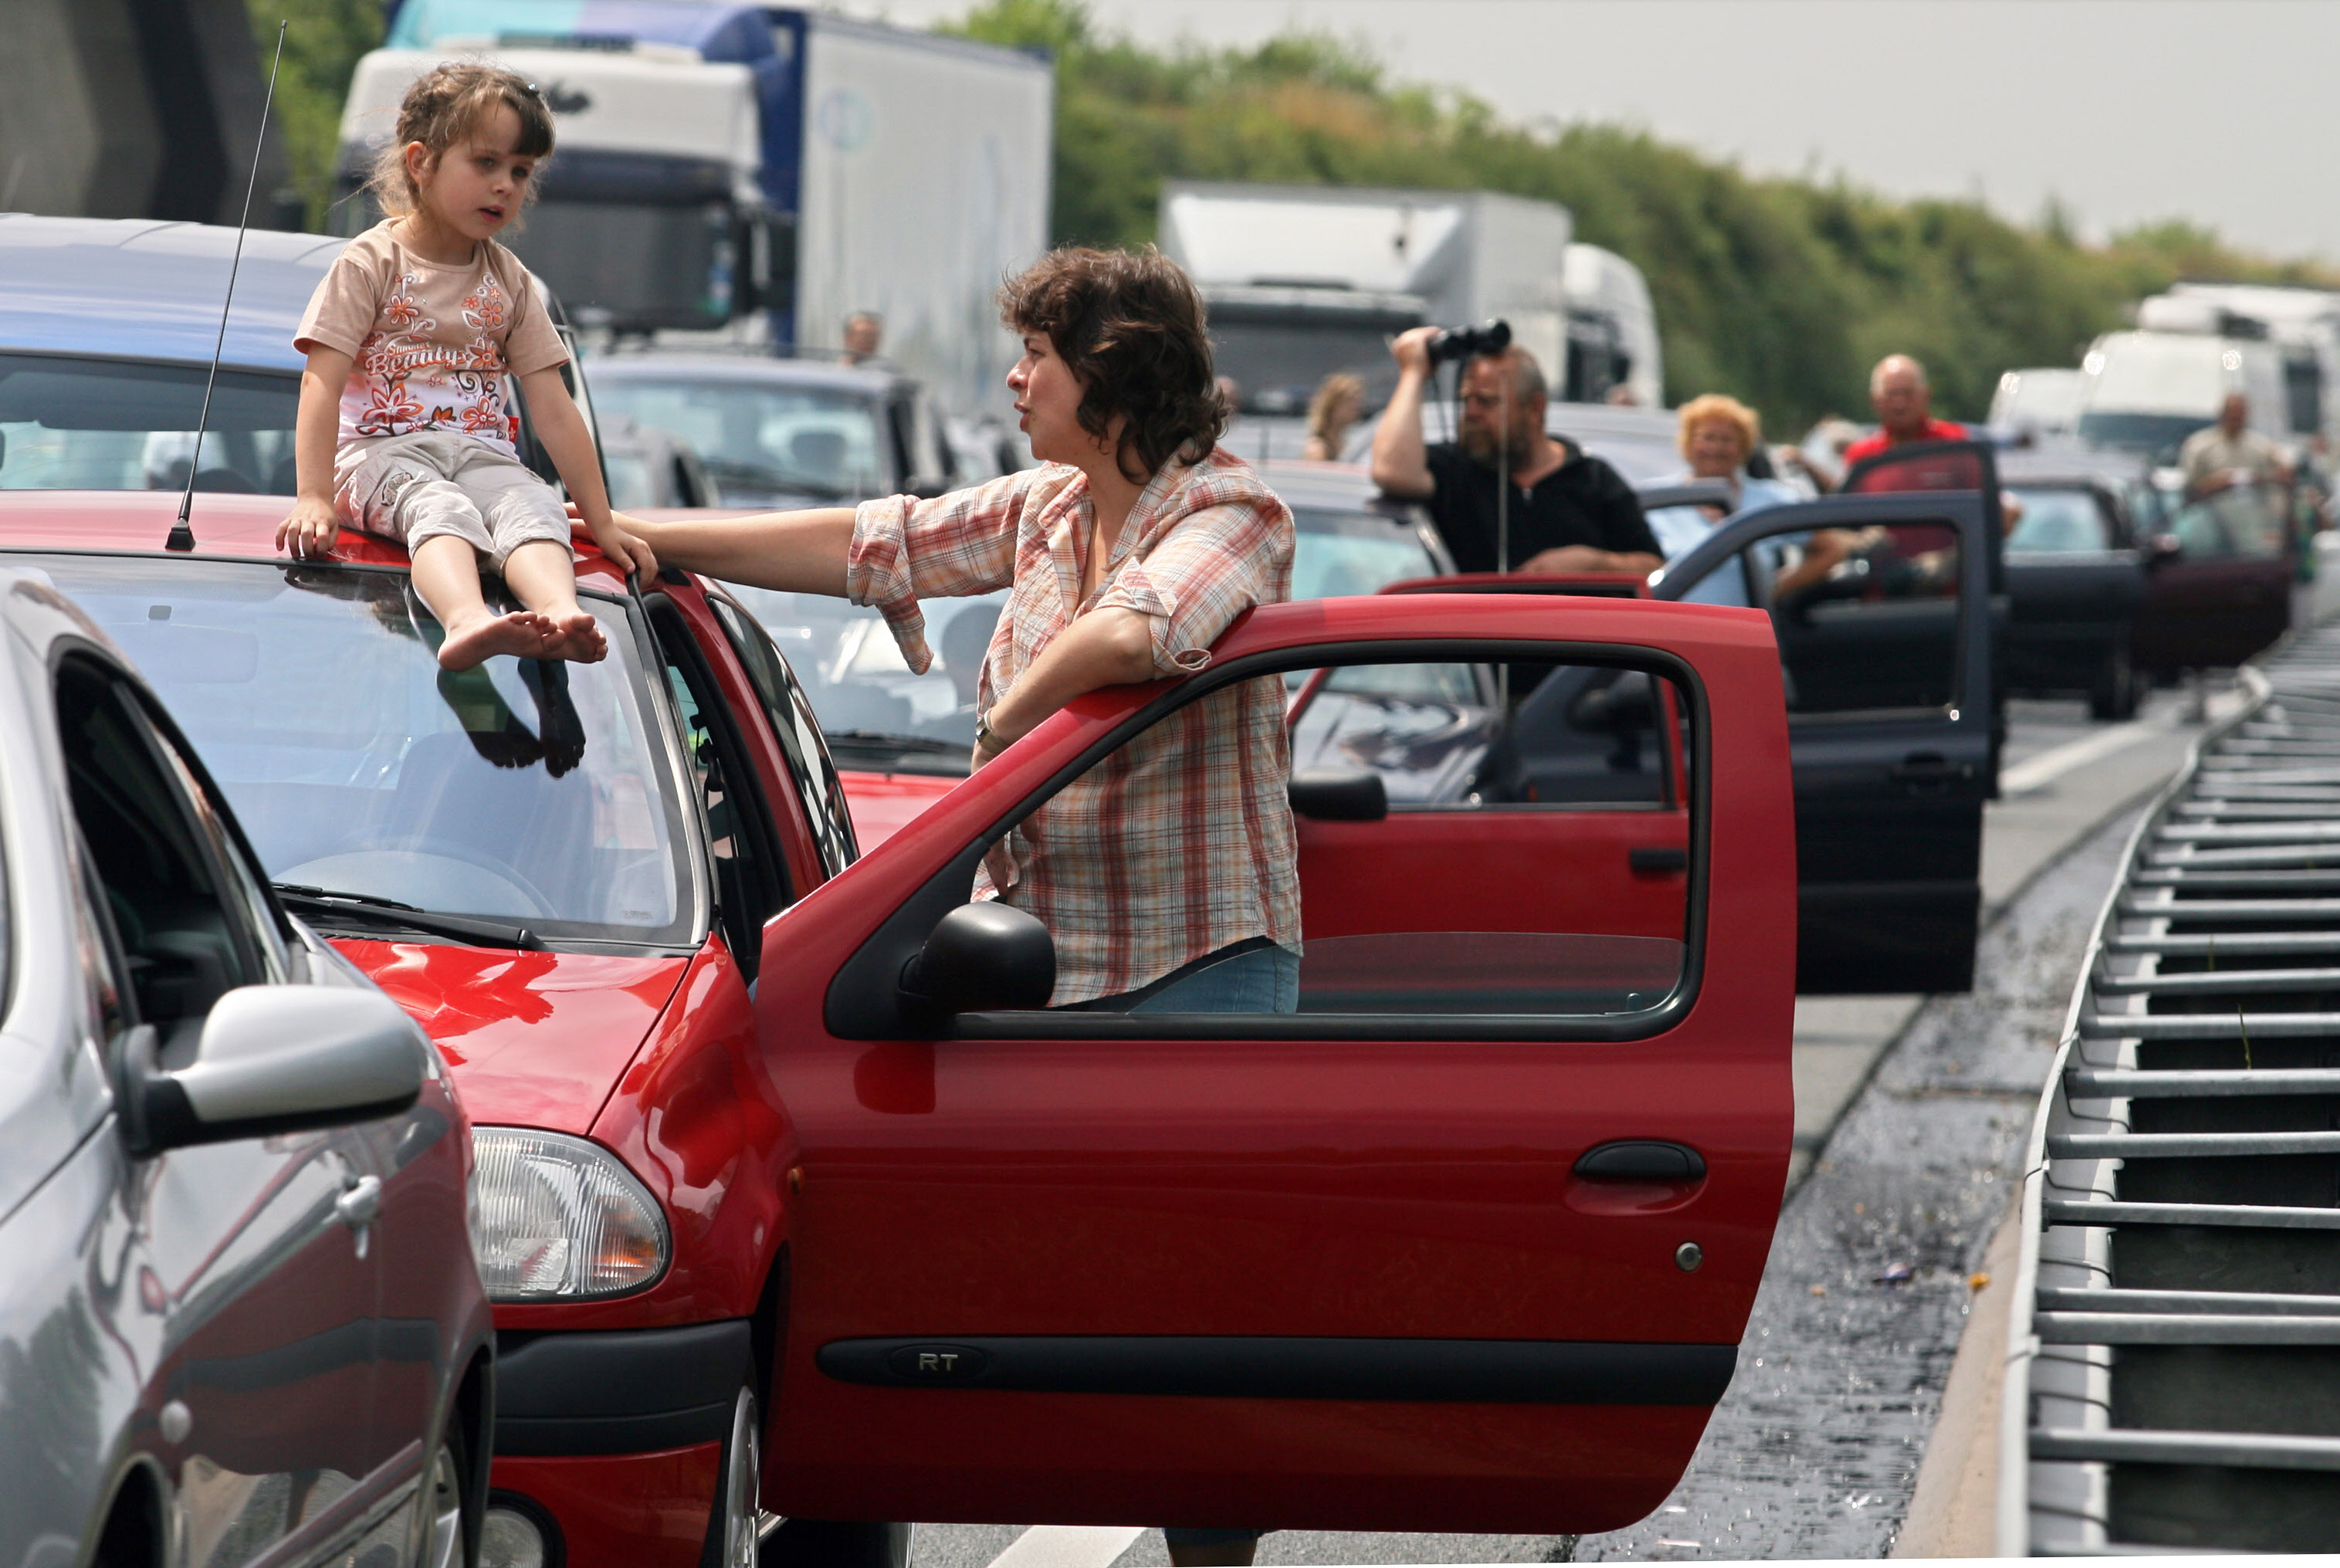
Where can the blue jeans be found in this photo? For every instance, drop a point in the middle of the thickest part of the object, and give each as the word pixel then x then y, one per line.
pixel 1262 980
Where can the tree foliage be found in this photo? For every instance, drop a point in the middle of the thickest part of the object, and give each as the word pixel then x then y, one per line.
pixel 1781 292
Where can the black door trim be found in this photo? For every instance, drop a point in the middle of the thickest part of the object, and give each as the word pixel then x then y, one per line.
pixel 1245 1366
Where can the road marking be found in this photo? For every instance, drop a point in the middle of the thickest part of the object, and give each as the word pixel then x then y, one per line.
pixel 2037 773
pixel 1069 1546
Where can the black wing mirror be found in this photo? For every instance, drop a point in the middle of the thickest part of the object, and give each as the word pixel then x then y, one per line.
pixel 272 1059
pixel 2162 550
pixel 1338 794
pixel 981 958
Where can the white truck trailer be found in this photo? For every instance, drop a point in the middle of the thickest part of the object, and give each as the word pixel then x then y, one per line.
pixel 758 172
pixel 1306 280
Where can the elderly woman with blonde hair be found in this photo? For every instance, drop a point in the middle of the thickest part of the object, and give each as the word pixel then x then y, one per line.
pixel 1717 435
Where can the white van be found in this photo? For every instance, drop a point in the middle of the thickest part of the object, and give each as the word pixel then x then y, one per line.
pixel 2148 390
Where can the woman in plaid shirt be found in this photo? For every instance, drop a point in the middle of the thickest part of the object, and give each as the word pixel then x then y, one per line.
pixel 1167 874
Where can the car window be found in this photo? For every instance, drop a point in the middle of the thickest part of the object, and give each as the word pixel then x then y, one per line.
pixel 537 791
pixel 183 933
pixel 751 882
pixel 1463 904
pixel 2059 522
pixel 69 423
pixel 1867 619
pixel 2242 523
pixel 762 442
pixel 1518 735
pixel 797 729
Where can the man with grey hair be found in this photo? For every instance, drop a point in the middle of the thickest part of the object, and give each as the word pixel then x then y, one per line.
pixel 1904 403
pixel 1507 496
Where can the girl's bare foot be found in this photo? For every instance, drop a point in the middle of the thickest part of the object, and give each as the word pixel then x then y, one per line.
pixel 576 637
pixel 524 632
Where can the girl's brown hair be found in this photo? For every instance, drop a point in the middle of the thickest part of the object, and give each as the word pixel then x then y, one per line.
pixel 446 107
pixel 1130 326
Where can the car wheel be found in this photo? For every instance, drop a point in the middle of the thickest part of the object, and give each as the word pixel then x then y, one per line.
pixel 443 1511
pixel 737 1524
pixel 2114 693
pixel 836 1543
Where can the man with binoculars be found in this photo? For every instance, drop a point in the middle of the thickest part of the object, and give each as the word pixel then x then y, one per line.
pixel 1506 496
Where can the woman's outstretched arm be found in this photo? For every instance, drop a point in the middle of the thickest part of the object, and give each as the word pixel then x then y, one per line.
pixel 796 551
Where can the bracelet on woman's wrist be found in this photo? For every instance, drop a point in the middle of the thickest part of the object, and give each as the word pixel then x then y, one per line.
pixel 986 737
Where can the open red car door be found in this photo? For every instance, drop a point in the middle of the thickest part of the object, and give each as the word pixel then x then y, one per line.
pixel 1467 1242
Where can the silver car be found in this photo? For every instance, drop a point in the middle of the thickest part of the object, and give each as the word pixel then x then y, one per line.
pixel 239 1315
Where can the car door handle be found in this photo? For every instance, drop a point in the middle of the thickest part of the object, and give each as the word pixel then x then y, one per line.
pixel 1641 1160
pixel 1928 771
pixel 359 1203
pixel 1657 858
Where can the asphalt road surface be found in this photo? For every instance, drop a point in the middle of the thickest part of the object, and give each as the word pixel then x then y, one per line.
pixel 1814 1450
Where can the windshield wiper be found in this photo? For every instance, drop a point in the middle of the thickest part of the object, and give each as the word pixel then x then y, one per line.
pixel 720 469
pixel 307 900
pixel 878 745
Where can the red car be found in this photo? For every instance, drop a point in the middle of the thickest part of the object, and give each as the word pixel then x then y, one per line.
pixel 790 1198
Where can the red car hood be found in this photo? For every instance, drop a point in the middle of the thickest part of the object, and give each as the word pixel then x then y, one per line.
pixel 535 1039
pixel 883 803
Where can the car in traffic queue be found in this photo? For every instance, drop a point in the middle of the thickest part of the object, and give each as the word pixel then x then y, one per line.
pixel 2075 578
pixel 888 1159
pixel 775 432
pixel 902 742
pixel 2222 590
pixel 240 1320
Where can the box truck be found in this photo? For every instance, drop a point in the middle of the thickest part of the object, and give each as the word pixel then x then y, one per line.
pixel 756 171
pixel 1306 280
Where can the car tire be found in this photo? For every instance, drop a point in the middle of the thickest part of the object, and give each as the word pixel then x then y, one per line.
pixel 447 1516
pixel 836 1543
pixel 737 1523
pixel 2114 694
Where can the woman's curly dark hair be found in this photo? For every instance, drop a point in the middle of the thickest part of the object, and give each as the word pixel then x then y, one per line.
pixel 1130 326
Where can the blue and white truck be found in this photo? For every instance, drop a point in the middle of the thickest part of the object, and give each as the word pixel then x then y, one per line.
pixel 756 171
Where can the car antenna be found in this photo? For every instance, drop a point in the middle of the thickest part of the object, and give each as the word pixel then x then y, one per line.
pixel 182 538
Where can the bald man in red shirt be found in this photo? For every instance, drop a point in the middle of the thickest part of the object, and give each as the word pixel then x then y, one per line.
pixel 1904 404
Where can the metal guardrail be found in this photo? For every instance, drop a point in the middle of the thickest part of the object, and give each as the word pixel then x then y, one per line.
pixel 2173 1373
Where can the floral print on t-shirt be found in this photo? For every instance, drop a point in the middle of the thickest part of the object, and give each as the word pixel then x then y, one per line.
pixel 403 381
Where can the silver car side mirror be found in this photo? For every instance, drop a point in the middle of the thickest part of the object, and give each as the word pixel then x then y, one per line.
pixel 271 1059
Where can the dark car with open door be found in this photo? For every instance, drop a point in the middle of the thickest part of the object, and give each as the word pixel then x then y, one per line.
pixel 1881 605
pixel 2223 592
pixel 2074 584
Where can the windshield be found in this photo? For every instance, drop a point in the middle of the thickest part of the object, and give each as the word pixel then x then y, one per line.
pixel 1277 365
pixel 69 423
pixel 763 444
pixel 2059 521
pixel 880 718
pixel 2159 434
pixel 525 790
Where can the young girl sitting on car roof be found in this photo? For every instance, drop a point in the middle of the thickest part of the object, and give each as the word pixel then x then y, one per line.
pixel 404 428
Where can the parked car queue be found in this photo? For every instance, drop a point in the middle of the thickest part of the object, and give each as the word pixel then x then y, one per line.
pixel 791 1202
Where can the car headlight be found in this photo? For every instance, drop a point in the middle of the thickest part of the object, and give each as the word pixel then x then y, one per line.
pixel 557 1219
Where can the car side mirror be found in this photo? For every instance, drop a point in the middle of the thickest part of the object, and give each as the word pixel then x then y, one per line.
pixel 2162 549
pixel 980 957
pixel 1338 794
pixel 272 1059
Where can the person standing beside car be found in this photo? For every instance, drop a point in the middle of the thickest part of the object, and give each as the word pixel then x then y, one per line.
pixel 1168 877
pixel 1717 435
pixel 1565 511
pixel 2230 452
pixel 1339 402
pixel 1904 401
